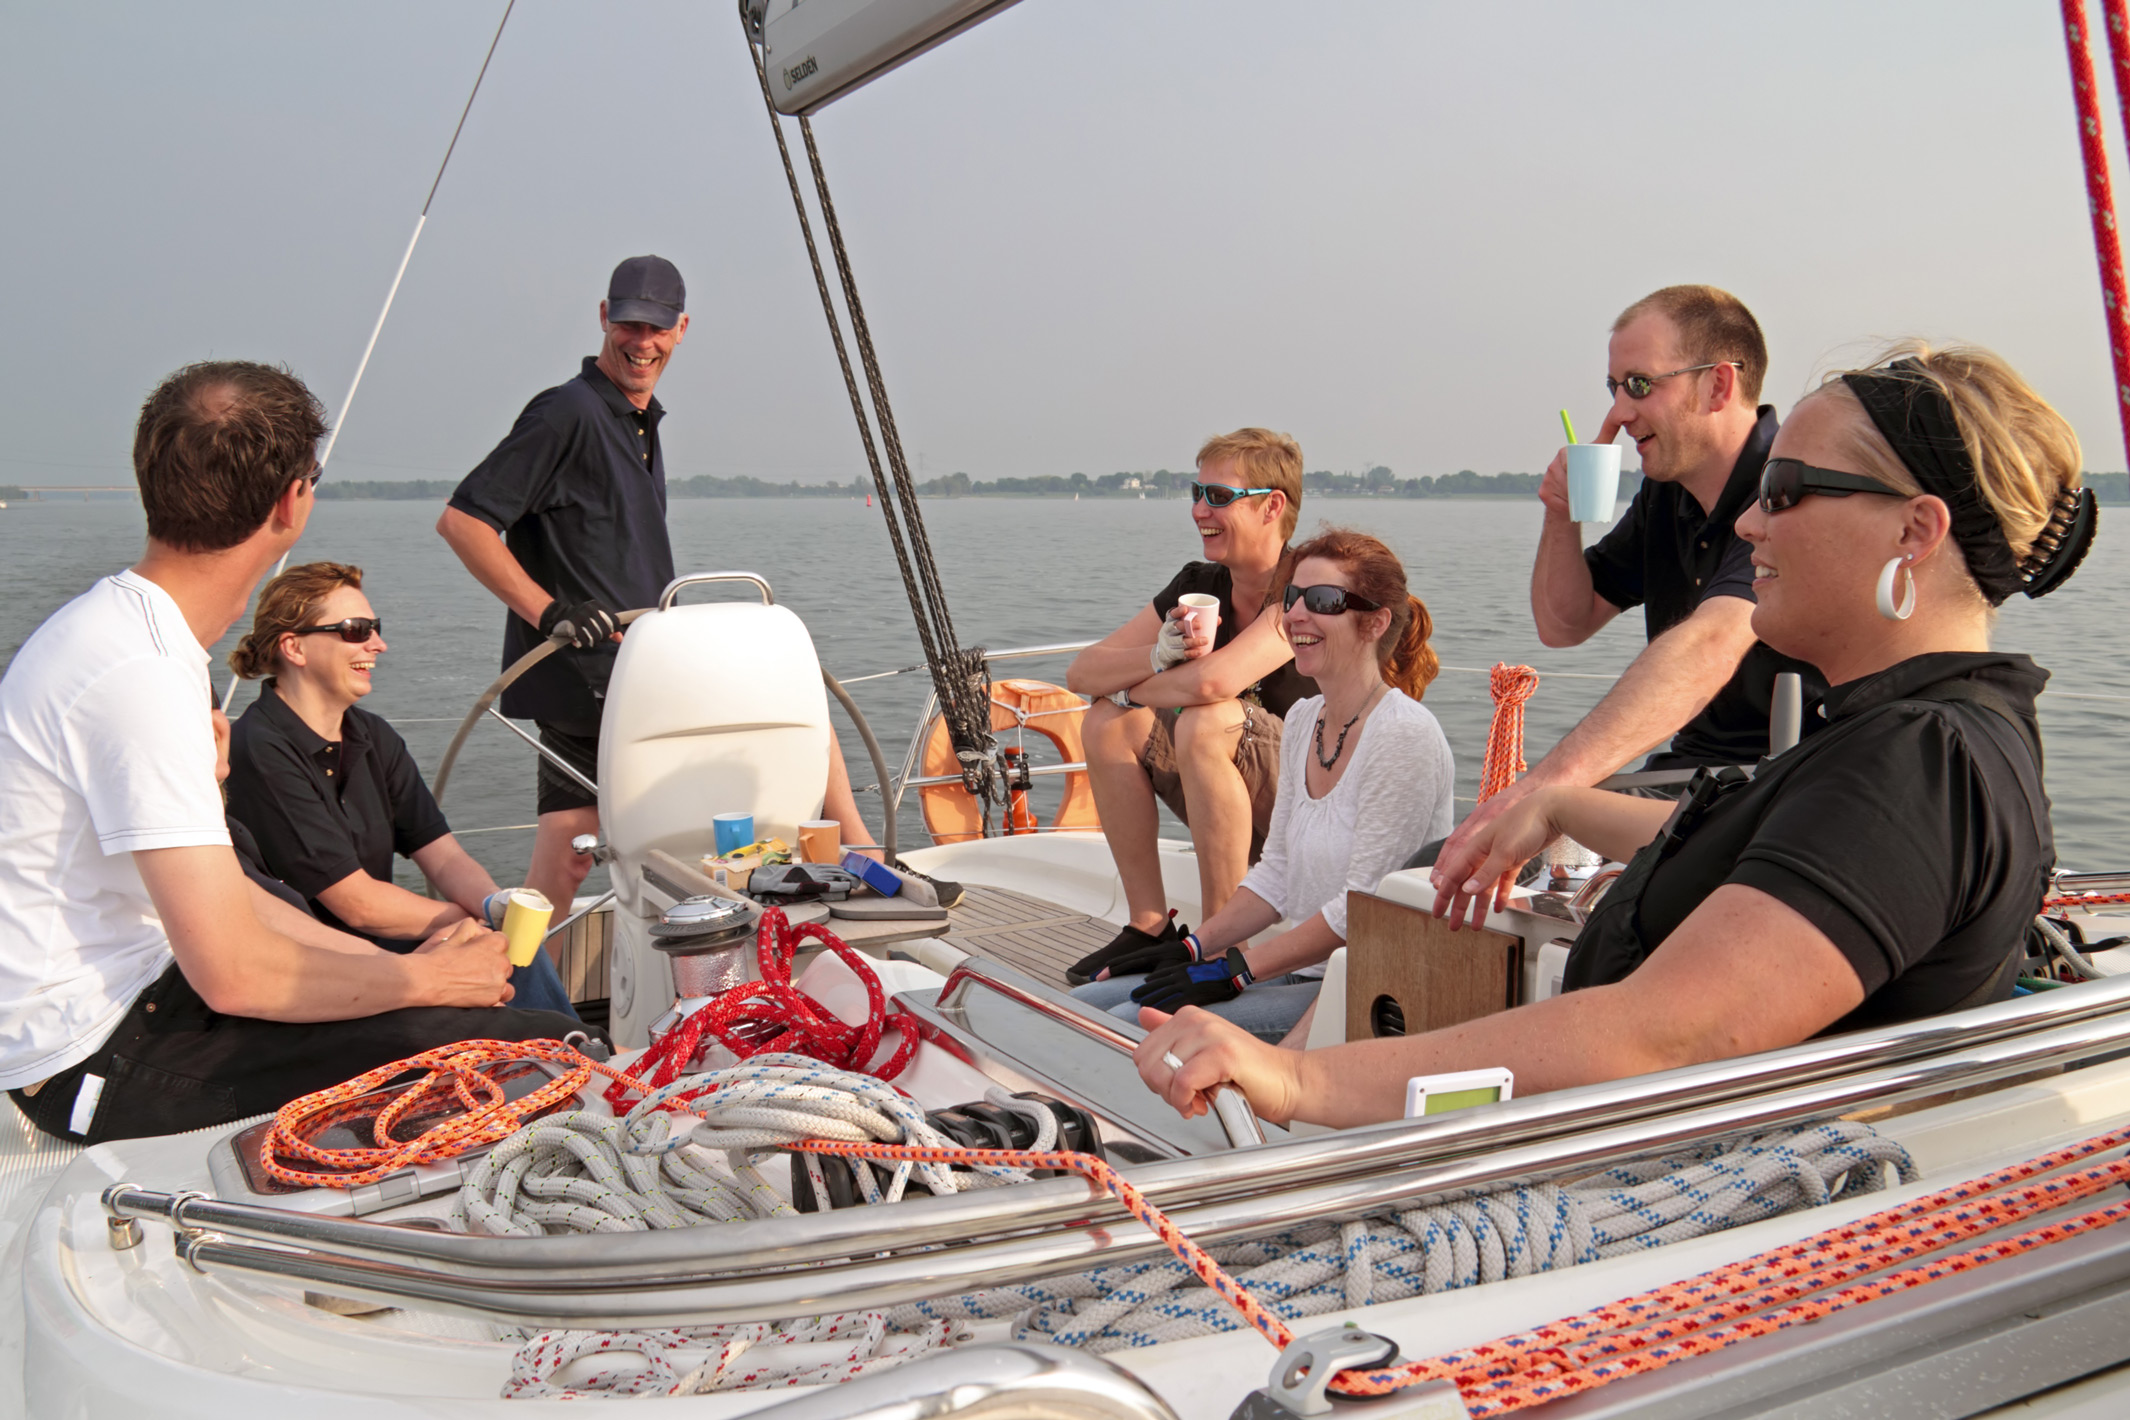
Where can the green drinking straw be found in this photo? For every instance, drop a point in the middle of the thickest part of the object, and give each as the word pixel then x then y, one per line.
pixel 1567 425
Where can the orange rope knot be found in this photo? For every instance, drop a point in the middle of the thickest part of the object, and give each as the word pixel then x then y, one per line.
pixel 458 1084
pixel 1512 686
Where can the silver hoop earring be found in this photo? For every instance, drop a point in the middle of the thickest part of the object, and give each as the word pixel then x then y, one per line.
pixel 1907 607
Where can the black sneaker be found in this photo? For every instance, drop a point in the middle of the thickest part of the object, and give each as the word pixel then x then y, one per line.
pixel 1127 944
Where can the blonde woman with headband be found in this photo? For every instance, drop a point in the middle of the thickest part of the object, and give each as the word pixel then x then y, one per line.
pixel 1885 869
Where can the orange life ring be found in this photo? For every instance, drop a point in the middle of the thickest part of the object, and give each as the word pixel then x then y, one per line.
pixel 952 814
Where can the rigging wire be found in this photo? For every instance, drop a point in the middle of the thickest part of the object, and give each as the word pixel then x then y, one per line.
pixel 332 434
pixel 960 678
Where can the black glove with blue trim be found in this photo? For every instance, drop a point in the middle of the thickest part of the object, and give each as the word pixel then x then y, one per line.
pixel 1205 983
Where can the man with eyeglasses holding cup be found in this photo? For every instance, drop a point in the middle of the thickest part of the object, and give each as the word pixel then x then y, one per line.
pixel 1686 365
pixel 1190 715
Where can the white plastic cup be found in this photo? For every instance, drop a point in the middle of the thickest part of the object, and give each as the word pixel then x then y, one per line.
pixel 1593 482
pixel 1202 610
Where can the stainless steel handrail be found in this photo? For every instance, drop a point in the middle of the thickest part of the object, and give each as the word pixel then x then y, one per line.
pixel 697 579
pixel 1051 1226
pixel 1007 1378
pixel 2090 882
pixel 1541 1133
pixel 1230 1106
pixel 1040 771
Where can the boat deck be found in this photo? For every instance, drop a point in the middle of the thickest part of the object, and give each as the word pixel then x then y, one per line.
pixel 1027 933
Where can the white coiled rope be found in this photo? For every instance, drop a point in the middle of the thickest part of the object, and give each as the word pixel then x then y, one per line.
pixel 1514 1233
pixel 655 1168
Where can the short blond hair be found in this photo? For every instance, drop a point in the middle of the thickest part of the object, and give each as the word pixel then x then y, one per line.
pixel 1714 326
pixel 1269 460
pixel 2026 455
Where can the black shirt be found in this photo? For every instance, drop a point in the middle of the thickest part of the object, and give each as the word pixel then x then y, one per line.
pixel 578 490
pixel 253 862
pixel 1913 833
pixel 323 811
pixel 1667 557
pixel 1277 691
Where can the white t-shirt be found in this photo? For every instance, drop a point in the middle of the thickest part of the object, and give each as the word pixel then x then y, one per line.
pixel 105 748
pixel 1393 799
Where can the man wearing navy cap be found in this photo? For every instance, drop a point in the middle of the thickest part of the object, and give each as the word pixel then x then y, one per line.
pixel 577 493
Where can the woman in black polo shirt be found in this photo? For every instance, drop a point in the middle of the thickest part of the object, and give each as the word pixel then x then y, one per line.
pixel 330 792
pixel 1887 868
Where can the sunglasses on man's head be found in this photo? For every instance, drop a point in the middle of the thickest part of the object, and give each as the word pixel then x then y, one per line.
pixel 1784 482
pixel 1219 495
pixel 1327 600
pixel 1639 386
pixel 356 629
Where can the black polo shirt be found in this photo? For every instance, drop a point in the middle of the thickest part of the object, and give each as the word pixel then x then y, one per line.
pixel 323 811
pixel 578 490
pixel 1668 557
pixel 253 862
pixel 1913 832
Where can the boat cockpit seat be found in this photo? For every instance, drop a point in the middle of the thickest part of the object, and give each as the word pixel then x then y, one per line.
pixel 712 708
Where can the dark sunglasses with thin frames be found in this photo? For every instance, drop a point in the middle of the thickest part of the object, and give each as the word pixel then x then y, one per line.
pixel 1327 600
pixel 1219 495
pixel 1639 386
pixel 1786 482
pixel 355 630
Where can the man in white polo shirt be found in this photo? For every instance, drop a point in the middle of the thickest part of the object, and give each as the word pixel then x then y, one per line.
pixel 139 991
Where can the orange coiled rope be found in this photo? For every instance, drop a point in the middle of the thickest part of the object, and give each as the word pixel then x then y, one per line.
pixel 455 1076
pixel 1753 1297
pixel 1512 686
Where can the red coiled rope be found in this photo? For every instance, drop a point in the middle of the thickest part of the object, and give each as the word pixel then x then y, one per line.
pixel 1511 686
pixel 2100 191
pixel 772 1014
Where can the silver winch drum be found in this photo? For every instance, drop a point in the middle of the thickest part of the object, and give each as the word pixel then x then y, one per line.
pixel 705 940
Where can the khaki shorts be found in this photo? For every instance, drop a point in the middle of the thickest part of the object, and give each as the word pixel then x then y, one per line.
pixel 1256 758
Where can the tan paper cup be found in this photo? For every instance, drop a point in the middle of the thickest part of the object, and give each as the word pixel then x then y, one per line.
pixel 525 924
pixel 1204 612
pixel 821 841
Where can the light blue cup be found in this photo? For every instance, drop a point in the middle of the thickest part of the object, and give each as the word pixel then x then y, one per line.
pixel 1593 482
pixel 733 831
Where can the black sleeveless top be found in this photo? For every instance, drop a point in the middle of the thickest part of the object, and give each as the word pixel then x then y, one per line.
pixel 1277 691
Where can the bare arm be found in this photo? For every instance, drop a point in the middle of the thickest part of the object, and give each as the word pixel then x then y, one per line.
pixel 447 864
pixel 481 548
pixel 385 909
pixel 1564 603
pixel 240 967
pixel 1118 660
pixel 1258 650
pixel 1744 973
pixel 302 928
pixel 1614 824
pixel 1309 943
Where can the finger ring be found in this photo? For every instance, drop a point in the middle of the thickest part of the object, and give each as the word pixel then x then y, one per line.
pixel 1168 1058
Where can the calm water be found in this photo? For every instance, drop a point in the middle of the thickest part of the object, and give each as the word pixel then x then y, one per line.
pixel 1021 572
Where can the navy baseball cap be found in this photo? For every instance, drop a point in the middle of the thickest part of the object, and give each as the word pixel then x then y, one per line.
pixel 646 289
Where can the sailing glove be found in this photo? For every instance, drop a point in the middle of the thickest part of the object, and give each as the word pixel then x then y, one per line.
pixel 583 625
pixel 1130 952
pixel 1205 983
pixel 1168 646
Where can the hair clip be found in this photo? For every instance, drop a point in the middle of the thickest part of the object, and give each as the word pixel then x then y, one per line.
pixel 2062 543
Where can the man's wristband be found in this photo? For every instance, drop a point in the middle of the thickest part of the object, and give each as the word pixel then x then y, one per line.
pixel 1238 969
pixel 1196 948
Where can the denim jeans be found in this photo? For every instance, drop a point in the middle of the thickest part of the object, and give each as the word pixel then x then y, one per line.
pixel 539 987
pixel 1268 1009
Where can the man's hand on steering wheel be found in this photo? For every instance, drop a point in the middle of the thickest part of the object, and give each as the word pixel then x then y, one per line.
pixel 581 624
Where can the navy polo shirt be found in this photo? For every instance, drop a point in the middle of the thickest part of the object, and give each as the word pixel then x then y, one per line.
pixel 1668 557
pixel 578 490
pixel 322 811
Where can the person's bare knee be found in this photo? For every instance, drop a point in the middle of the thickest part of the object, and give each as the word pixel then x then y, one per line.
pixel 1113 735
pixel 1207 734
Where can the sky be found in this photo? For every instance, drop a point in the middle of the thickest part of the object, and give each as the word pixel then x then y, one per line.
pixel 1089 233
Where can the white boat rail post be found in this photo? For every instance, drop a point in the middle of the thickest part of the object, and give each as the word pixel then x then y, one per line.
pixel 332 433
pixel 843 1259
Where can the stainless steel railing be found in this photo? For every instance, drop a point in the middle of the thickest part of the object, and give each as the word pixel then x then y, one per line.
pixel 859 1258
pixel 908 779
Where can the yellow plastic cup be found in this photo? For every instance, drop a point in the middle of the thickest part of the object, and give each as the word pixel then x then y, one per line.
pixel 525 924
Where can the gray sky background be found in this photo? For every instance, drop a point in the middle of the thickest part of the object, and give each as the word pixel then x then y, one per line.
pixel 1089 232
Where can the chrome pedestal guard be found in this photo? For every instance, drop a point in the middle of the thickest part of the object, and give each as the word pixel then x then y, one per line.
pixel 855 1259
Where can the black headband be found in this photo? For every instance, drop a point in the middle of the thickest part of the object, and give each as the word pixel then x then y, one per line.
pixel 1911 409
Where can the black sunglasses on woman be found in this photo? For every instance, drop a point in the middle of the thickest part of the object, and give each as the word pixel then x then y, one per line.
pixel 1327 600
pixel 356 629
